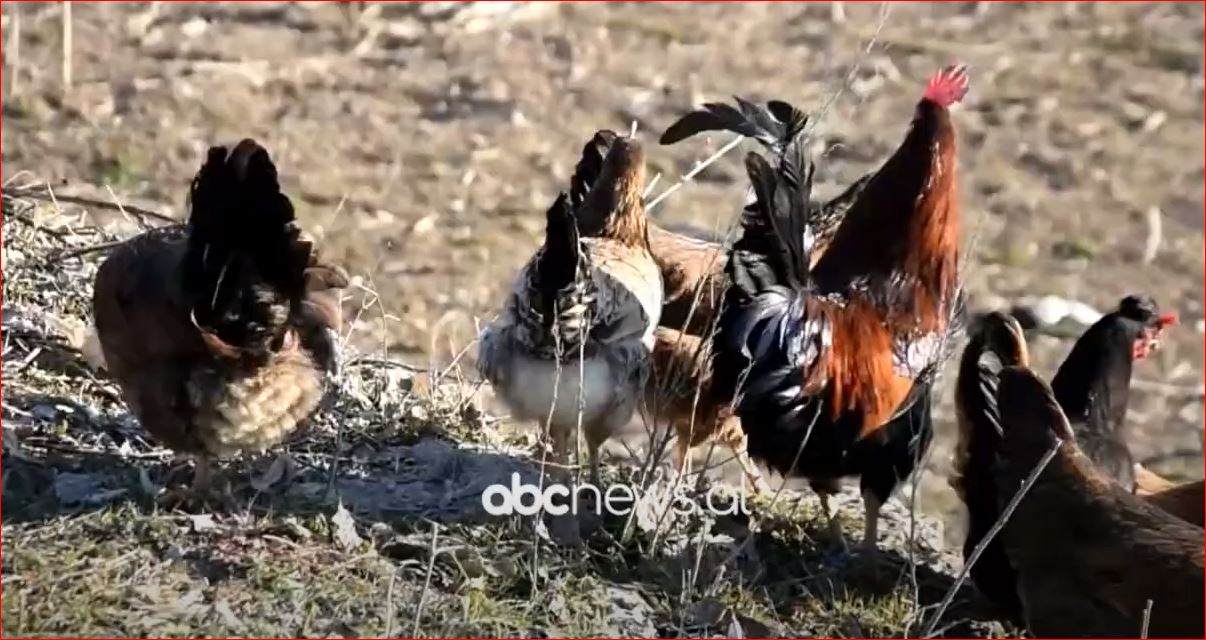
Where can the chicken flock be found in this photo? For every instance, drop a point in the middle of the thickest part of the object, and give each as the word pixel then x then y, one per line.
pixel 811 345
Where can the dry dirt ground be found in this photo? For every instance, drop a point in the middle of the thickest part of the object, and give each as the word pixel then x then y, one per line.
pixel 423 142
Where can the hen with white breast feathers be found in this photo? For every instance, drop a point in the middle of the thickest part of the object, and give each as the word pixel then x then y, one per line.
pixel 571 347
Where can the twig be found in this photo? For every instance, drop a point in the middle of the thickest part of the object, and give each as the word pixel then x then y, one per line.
pixel 992 533
pixel 435 535
pixel 14 47
pixel 700 166
pixel 82 251
pixel 49 196
pixel 366 361
pixel 389 605
pixel 66 47
pixel 1147 619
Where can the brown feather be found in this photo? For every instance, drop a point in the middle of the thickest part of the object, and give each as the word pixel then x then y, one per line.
pixel 1185 501
pixel 693 278
pixel 860 374
pixel 680 393
pixel 1089 554
pixel 615 207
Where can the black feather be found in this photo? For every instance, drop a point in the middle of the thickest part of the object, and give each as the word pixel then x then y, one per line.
pixel 776 224
pixel 590 166
pixel 244 269
pixel 557 263
pixel 775 125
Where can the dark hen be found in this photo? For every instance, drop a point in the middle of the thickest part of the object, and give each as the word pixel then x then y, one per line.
pixel 1093 383
pixel 996 343
pixel 1089 555
pixel 221 332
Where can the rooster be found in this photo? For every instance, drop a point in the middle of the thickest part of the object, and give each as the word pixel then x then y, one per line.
pixel 693 269
pixel 571 347
pixel 1090 556
pixel 221 332
pixel 831 363
pixel 1093 385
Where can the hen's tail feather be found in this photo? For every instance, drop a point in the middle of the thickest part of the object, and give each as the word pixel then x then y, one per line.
pixel 590 165
pixel 246 261
pixel 561 296
pixel 557 263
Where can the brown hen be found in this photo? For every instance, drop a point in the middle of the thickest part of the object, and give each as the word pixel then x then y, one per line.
pixel 680 394
pixel 220 332
pixel 1089 555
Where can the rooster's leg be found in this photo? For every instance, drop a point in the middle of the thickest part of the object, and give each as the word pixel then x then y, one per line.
pixel 871 507
pixel 751 471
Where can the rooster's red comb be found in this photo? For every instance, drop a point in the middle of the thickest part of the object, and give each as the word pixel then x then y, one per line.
pixel 947 86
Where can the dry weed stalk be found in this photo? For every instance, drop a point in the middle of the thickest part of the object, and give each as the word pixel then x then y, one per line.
pixel 67 44
pixel 992 534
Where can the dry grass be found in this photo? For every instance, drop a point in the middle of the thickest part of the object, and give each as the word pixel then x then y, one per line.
pixel 373 517
pixel 1082 118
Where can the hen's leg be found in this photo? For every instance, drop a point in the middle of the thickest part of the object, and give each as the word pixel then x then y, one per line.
pixel 202 476
pixel 736 440
pixel 196 495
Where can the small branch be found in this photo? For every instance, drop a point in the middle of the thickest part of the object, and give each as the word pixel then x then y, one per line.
pixel 694 172
pixel 366 361
pixel 992 534
pixel 435 536
pixel 1147 620
pixel 389 605
pixel 82 251
pixel 66 47
pixel 47 196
